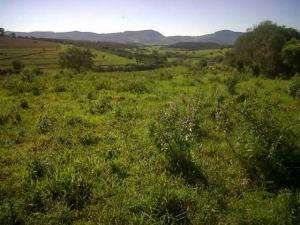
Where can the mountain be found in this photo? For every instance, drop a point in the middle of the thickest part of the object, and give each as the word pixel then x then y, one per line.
pixel 141 37
pixel 220 37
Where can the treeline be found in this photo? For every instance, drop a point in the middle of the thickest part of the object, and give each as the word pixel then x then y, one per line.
pixel 197 45
pixel 82 59
pixel 267 49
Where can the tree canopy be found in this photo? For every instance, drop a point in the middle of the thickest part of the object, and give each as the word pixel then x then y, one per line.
pixel 77 59
pixel 2 31
pixel 260 49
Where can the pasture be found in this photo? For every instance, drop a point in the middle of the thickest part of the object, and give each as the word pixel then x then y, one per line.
pixel 174 145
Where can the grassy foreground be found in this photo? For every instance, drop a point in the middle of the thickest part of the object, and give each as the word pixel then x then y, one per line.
pixel 169 146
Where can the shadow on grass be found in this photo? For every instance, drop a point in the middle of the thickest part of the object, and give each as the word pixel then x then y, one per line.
pixel 188 170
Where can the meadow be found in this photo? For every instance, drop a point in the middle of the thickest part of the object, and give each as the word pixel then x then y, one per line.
pixel 174 145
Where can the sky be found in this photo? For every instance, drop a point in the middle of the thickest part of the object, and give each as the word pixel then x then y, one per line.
pixel 170 17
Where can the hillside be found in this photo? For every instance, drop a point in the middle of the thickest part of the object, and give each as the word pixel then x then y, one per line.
pixel 142 37
pixel 45 54
pixel 195 45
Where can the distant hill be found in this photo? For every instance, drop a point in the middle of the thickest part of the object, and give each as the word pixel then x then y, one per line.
pixel 196 45
pixel 141 37
pixel 8 42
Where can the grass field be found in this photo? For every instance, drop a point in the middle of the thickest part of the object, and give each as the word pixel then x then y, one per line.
pixel 166 146
pixel 44 54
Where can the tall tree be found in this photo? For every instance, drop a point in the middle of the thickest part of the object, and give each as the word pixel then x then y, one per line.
pixel 260 48
pixel 2 31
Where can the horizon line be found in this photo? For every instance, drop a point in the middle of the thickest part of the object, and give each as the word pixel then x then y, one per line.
pixel 44 31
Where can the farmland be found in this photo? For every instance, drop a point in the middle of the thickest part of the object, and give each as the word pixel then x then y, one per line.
pixel 43 54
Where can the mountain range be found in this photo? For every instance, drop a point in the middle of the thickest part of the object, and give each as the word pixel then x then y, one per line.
pixel 140 37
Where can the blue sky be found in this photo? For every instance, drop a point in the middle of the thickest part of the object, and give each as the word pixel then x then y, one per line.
pixel 170 17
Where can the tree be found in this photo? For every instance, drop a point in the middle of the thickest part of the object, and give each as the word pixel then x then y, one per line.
pixel 2 31
pixel 260 48
pixel 77 59
pixel 291 56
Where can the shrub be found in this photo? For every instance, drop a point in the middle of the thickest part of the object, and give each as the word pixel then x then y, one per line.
pixel 36 170
pixel 260 48
pixel 92 95
pixel 77 59
pixel 88 138
pixel 290 54
pixel 18 66
pixel 294 88
pixel 138 87
pixel 46 124
pixel 266 144
pixel 173 135
pixel 101 106
pixel 201 64
pixel 231 83
pixel 166 75
pixel 104 85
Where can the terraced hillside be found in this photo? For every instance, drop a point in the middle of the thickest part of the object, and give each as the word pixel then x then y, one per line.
pixel 44 54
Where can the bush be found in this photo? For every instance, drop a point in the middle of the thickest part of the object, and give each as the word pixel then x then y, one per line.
pixel 138 87
pixel 231 83
pixel 260 48
pixel 291 56
pixel 36 170
pixel 17 66
pixel 173 135
pixel 88 139
pixel 266 144
pixel 201 64
pixel 76 59
pixel 294 88
pixel 46 124
pixel 101 106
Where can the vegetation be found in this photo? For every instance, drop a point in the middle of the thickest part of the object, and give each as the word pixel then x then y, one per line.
pixel 291 56
pixel 196 142
pixel 17 66
pixel 262 50
pixel 2 31
pixel 196 45
pixel 76 59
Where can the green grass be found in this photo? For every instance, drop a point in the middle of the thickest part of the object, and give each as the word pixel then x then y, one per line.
pixel 46 57
pixel 157 147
